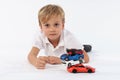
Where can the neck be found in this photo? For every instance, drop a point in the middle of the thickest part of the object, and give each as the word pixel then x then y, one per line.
pixel 54 42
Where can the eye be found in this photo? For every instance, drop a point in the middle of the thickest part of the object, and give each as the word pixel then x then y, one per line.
pixel 46 25
pixel 56 24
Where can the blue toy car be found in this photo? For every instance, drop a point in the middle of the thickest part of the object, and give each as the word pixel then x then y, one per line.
pixel 74 57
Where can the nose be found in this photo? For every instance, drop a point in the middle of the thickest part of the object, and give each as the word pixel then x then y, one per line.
pixel 52 28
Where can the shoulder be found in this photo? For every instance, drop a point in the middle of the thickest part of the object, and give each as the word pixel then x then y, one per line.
pixel 68 34
pixel 39 40
pixel 71 41
pixel 39 35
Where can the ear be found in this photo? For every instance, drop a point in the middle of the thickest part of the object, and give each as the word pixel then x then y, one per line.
pixel 41 27
pixel 63 26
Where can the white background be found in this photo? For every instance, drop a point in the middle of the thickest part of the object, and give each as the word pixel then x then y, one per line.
pixel 94 22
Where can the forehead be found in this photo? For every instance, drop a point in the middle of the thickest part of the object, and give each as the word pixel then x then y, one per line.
pixel 51 19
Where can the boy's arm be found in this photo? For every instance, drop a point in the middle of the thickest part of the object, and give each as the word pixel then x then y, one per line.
pixel 86 57
pixel 32 56
pixel 38 62
pixel 54 60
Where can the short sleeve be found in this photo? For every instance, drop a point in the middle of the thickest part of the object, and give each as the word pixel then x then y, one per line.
pixel 38 41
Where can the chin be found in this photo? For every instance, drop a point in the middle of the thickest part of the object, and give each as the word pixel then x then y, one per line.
pixel 53 38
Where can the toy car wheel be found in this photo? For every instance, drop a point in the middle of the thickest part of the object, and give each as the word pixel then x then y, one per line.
pixel 89 71
pixel 74 71
pixel 69 64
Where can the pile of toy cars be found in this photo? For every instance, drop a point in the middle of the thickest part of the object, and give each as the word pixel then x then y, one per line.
pixel 72 56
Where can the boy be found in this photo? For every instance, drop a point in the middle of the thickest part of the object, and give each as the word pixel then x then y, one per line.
pixel 53 38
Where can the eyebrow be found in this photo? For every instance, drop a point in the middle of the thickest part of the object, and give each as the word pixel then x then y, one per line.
pixel 57 21
pixel 54 22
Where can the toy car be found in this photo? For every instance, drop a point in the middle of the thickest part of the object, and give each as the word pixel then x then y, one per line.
pixel 74 51
pixel 72 54
pixel 71 62
pixel 74 57
pixel 80 68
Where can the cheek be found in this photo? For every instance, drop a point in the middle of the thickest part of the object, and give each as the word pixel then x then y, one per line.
pixel 44 31
pixel 61 29
pixel 59 32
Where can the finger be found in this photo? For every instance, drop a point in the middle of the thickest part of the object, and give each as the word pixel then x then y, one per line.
pixel 44 58
pixel 57 60
pixel 50 59
pixel 54 60
pixel 41 62
pixel 40 65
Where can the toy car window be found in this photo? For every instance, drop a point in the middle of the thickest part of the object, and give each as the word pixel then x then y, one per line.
pixel 80 66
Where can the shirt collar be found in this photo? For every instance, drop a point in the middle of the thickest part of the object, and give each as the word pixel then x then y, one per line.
pixel 46 40
pixel 61 42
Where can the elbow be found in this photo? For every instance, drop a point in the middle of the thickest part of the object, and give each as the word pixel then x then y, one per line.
pixel 28 57
pixel 86 61
pixel 86 57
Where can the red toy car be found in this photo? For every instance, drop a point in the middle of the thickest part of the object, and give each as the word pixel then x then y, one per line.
pixel 74 51
pixel 80 68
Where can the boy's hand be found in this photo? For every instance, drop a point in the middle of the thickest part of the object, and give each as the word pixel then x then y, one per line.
pixel 54 60
pixel 41 62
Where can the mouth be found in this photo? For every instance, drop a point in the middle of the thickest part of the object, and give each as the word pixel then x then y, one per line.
pixel 52 34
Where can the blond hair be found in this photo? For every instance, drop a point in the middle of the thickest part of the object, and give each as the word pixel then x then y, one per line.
pixel 48 11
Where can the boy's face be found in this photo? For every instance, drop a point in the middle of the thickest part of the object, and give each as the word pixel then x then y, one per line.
pixel 53 28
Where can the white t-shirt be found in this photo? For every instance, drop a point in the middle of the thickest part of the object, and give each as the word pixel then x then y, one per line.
pixel 67 40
